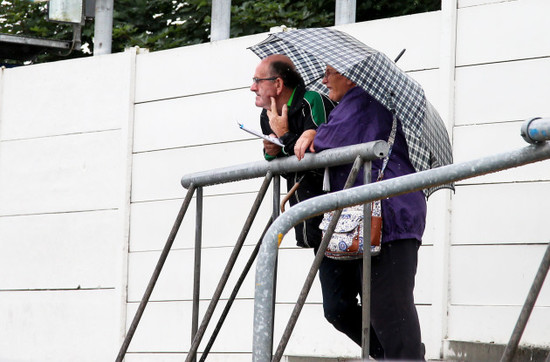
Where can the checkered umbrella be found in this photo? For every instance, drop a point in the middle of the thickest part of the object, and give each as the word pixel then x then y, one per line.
pixel 312 49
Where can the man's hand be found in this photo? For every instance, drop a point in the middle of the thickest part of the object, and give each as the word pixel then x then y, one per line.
pixel 271 148
pixel 278 123
pixel 304 142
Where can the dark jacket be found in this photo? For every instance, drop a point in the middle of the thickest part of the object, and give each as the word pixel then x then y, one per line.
pixel 307 110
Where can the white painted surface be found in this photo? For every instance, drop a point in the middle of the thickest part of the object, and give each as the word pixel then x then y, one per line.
pixel 495 324
pixel 502 92
pixel 418 34
pixel 193 121
pixel 51 251
pixel 503 31
pixel 490 214
pixel 506 282
pixel 60 174
pixel 62 98
pixel 195 70
pixel 71 325
pixel 477 141
pixel 157 175
pixel 66 170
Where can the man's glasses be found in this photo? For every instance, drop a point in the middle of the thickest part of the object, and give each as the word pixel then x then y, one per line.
pixel 258 80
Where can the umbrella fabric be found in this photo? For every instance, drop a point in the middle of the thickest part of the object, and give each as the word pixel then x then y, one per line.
pixel 312 49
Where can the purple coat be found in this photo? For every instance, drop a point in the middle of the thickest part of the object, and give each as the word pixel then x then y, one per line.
pixel 359 118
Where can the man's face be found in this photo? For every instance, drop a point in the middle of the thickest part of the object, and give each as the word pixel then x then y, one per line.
pixel 336 83
pixel 264 89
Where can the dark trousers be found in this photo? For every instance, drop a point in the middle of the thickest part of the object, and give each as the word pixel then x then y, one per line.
pixel 395 330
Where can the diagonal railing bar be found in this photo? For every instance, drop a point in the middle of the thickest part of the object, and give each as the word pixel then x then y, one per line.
pixel 233 295
pixel 156 274
pixel 228 268
pixel 263 312
pixel 315 266
pixel 528 306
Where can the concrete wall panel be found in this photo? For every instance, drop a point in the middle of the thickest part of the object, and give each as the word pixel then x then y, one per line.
pixel 65 326
pixel 50 251
pixel 507 280
pixel 503 31
pixel 499 214
pixel 194 121
pixel 62 98
pixel 494 324
pixel 157 175
pixel 502 92
pixel 60 174
pixel 496 139
pixel 418 34
pixel 193 70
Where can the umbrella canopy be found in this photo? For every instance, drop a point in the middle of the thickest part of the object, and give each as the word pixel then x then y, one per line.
pixel 311 50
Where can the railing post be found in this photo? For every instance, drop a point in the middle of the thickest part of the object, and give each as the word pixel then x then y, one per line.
pixel 274 216
pixel 197 269
pixel 365 297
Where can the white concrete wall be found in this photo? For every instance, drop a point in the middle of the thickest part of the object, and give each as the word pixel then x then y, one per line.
pixel 63 177
pixel 498 237
pixel 92 152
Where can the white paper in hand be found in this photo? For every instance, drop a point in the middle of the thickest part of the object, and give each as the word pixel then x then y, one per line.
pixel 259 134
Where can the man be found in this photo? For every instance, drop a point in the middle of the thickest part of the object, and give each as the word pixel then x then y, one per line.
pixel 291 114
pixel 395 329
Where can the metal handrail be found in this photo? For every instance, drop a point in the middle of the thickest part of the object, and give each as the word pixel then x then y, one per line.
pixel 263 299
pixel 328 158
pixel 195 182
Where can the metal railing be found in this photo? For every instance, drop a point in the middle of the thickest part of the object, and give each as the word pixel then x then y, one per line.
pixel 195 182
pixel 535 131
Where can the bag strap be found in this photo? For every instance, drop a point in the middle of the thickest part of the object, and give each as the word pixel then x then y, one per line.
pixel 391 138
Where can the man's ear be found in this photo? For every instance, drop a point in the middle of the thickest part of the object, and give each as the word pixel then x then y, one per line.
pixel 279 84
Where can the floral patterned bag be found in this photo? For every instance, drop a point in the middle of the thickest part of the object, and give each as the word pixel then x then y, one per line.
pixel 346 242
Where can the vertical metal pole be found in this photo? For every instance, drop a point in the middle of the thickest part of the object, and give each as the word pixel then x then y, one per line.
pixel 365 297
pixel 197 271
pixel 221 20
pixel 103 30
pixel 344 12
pixel 527 307
pixel 274 216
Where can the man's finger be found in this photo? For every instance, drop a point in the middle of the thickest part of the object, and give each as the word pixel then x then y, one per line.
pixel 285 111
pixel 274 106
